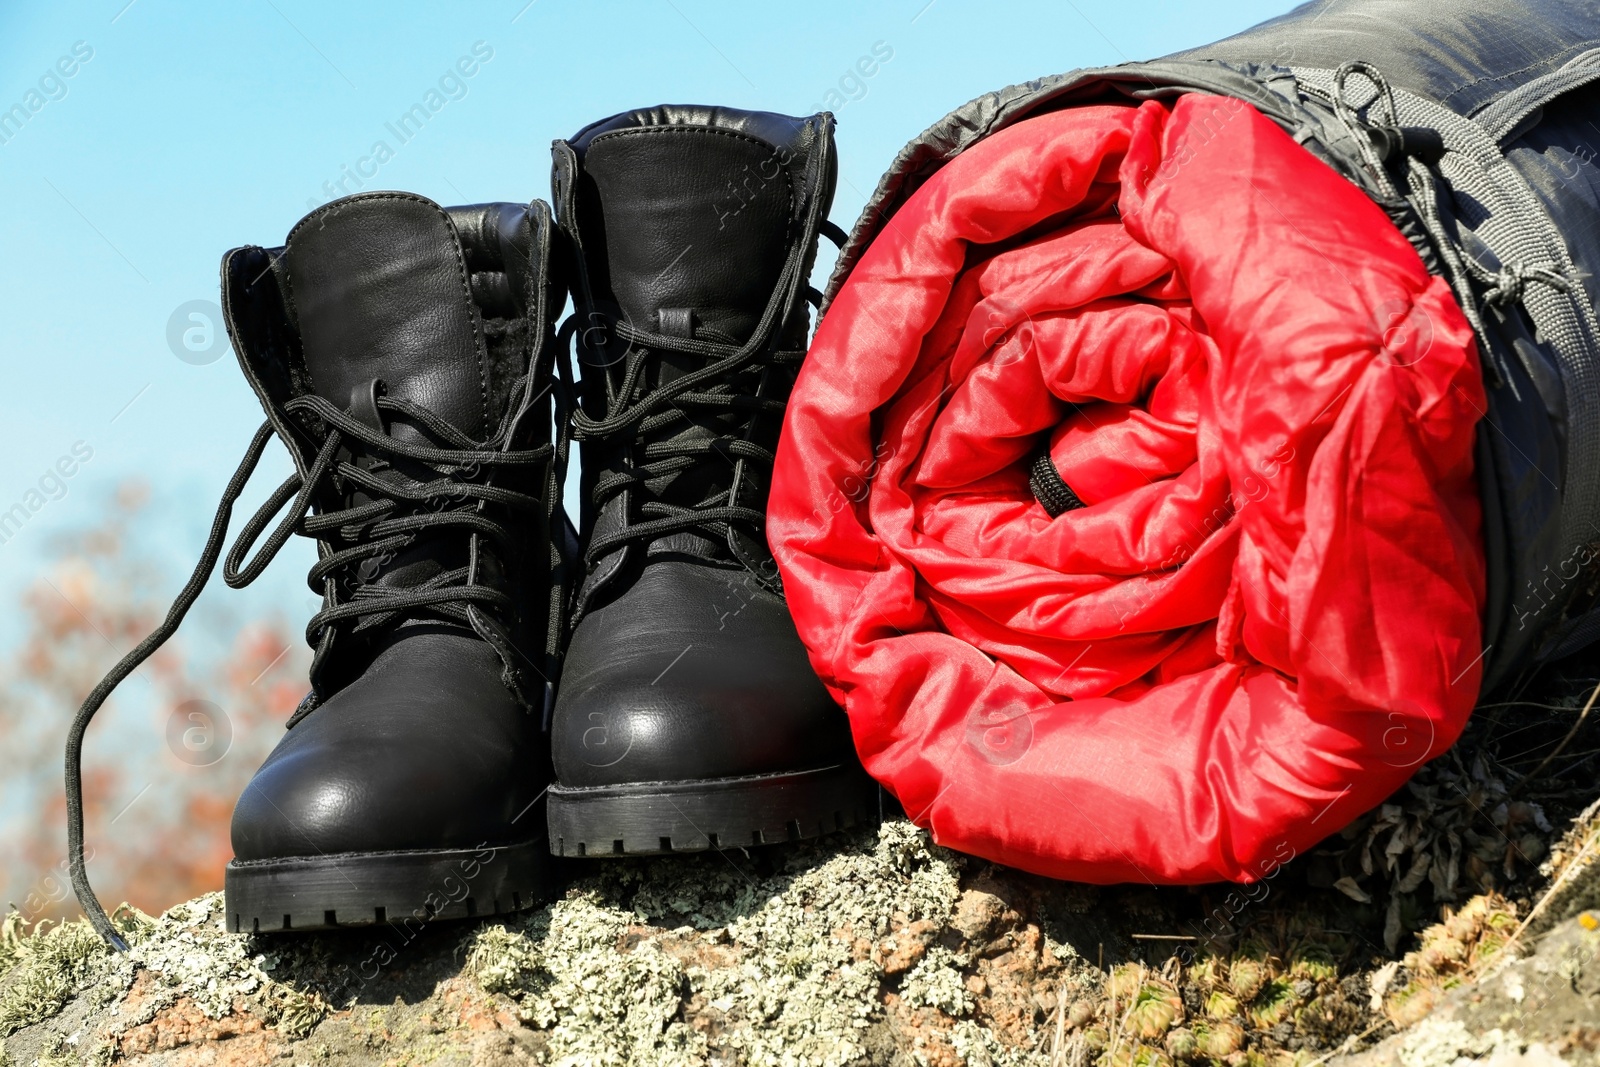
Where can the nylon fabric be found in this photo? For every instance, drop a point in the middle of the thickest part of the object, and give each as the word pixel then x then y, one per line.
pixel 1266 616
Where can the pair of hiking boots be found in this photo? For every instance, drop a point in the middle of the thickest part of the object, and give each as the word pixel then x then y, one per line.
pixel 490 685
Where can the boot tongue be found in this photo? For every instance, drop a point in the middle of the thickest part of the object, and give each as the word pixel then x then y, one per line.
pixel 695 226
pixel 380 292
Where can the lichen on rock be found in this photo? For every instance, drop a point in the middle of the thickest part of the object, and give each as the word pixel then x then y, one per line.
pixel 49 968
pixel 874 946
pixel 781 979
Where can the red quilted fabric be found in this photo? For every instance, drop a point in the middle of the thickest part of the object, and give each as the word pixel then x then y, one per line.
pixel 1267 614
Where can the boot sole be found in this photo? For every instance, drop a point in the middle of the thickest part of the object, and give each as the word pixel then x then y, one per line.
pixel 655 818
pixel 350 889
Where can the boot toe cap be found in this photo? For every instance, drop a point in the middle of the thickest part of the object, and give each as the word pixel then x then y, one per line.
pixel 656 691
pixel 399 760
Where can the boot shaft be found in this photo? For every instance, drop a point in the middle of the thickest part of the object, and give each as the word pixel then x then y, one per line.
pixel 691 233
pixel 430 327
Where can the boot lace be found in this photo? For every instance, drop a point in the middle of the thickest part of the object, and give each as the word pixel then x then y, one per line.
pixel 357 540
pixel 734 379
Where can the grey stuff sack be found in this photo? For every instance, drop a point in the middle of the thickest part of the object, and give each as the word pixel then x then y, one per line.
pixel 1473 124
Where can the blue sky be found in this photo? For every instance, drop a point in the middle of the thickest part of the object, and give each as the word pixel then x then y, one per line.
pixel 186 129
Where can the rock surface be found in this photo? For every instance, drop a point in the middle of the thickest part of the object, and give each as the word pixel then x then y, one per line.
pixel 873 947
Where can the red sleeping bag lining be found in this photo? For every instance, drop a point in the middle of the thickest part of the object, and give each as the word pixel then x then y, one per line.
pixel 1267 614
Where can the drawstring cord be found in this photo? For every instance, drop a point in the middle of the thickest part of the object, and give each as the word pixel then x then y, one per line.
pixel 1500 287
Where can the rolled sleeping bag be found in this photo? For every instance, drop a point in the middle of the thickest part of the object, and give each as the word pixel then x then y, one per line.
pixel 1157 489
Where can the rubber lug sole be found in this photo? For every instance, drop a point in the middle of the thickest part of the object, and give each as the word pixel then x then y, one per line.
pixel 654 818
pixel 398 888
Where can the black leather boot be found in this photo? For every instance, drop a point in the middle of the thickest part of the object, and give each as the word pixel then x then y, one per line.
pixel 688 716
pixel 402 353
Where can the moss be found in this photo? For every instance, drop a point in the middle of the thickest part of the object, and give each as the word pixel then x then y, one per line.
pixel 1136 1054
pixel 772 954
pixel 13 930
pixel 1181 1044
pixel 1124 982
pixel 1313 962
pixel 863 947
pixel 1221 1005
pixel 1410 1004
pixel 56 1056
pixel 51 966
pixel 1273 1004
pixel 183 954
pixel 1450 953
pixel 1440 954
pixel 1467 922
pixel 1208 972
pixel 1218 1039
pixel 1246 976
pixel 296 1013
pixel 1155 1009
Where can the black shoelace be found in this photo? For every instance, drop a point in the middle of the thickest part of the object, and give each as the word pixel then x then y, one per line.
pixel 399 512
pixel 732 380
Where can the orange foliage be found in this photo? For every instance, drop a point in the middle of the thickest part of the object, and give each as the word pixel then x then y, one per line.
pixel 156 822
